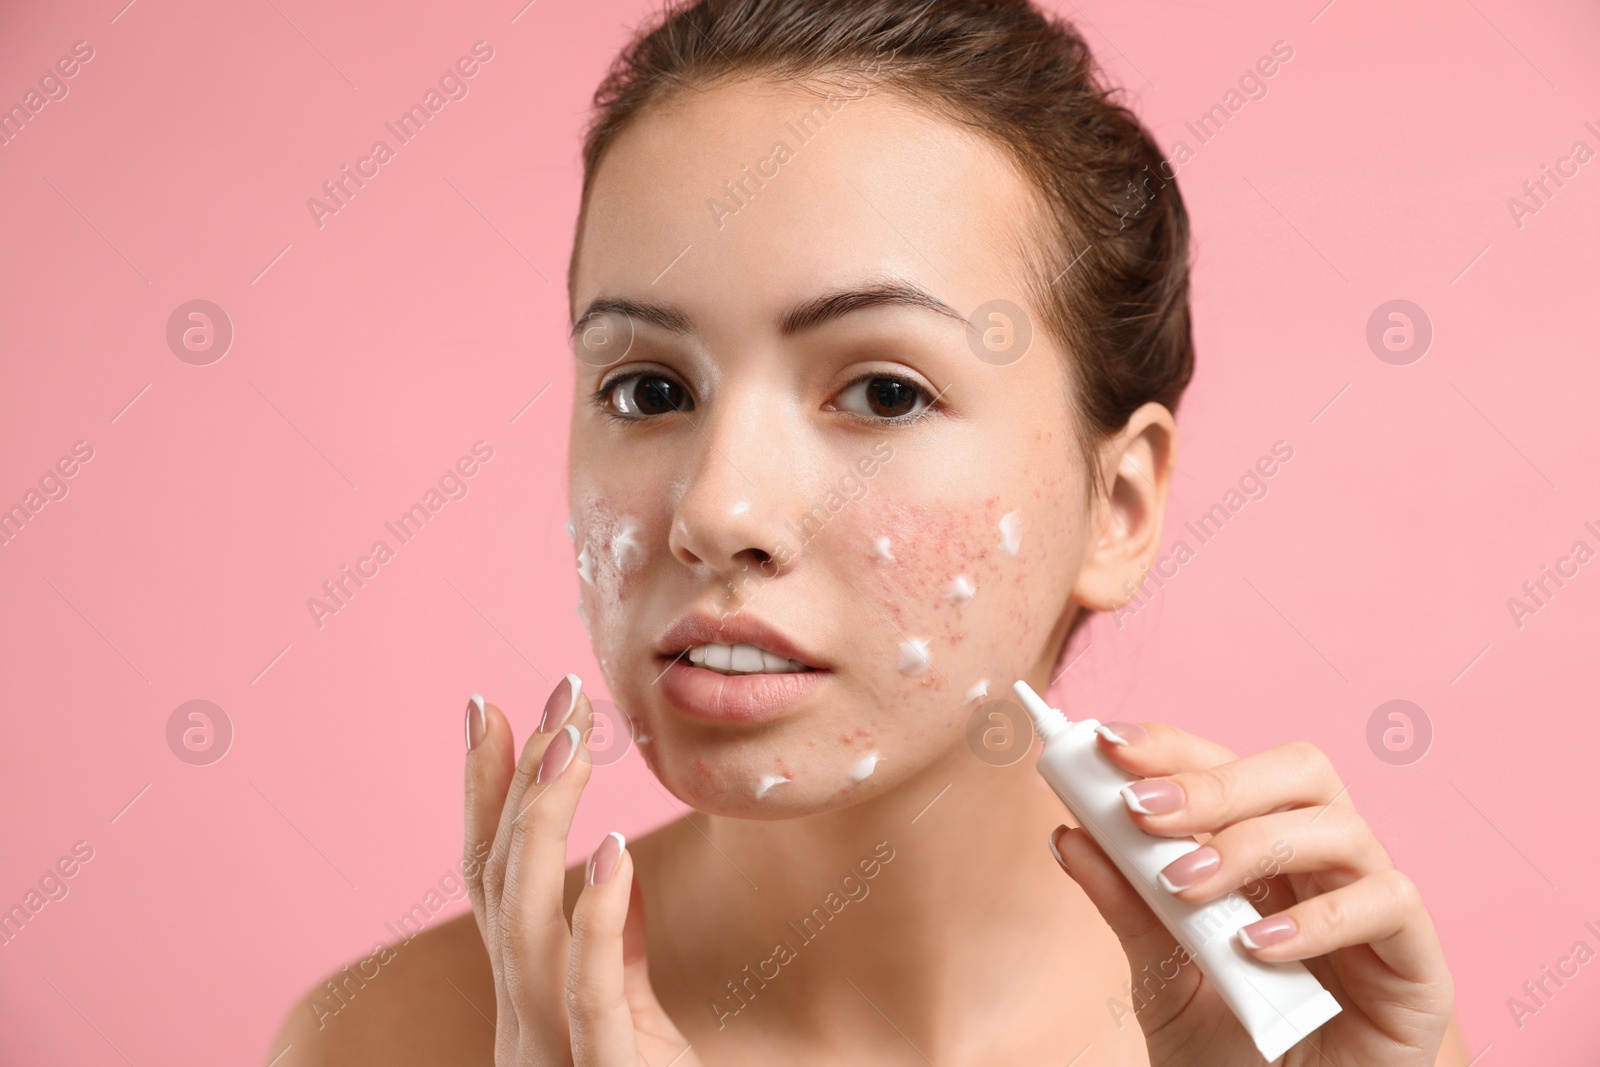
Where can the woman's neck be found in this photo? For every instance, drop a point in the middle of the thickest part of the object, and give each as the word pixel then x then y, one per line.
pixel 933 906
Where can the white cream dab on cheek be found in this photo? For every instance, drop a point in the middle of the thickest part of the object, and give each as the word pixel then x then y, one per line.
pixel 914 656
pixel 979 690
pixel 1011 532
pixel 764 786
pixel 864 767
pixel 585 565
pixel 961 590
pixel 626 552
pixel 739 507
pixel 881 550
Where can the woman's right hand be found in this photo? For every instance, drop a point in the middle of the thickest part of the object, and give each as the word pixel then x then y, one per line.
pixel 563 995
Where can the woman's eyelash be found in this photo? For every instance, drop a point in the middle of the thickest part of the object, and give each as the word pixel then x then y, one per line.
pixel 607 387
pixel 929 408
pixel 601 397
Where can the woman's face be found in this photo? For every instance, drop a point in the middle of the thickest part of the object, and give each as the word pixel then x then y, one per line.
pixel 762 457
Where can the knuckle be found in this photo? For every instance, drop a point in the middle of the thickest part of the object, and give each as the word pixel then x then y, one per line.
pixel 1212 791
pixel 1310 761
pixel 513 927
pixel 526 826
pixel 1333 912
pixel 583 1000
pixel 1403 892
pixel 517 831
pixel 1343 823
pixel 583 929
pixel 494 872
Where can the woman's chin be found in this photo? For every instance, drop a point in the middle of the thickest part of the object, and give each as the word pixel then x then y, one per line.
pixel 733 789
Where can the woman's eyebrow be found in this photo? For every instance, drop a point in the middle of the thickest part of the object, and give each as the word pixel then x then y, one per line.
pixel 668 318
pixel 840 302
pixel 815 311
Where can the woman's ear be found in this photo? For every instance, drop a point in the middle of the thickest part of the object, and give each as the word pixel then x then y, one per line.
pixel 1129 512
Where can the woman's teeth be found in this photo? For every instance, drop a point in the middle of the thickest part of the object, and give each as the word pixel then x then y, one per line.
pixel 742 659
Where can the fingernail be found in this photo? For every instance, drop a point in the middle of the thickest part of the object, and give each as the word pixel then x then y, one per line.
pixel 1122 733
pixel 561 703
pixel 1185 871
pixel 558 755
pixel 1269 931
pixel 1153 796
pixel 1055 850
pixel 475 721
pixel 603 864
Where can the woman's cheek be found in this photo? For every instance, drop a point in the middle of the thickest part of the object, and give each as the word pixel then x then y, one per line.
pixel 611 548
pixel 954 579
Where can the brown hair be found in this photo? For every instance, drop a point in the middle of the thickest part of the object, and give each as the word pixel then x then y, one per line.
pixel 1116 228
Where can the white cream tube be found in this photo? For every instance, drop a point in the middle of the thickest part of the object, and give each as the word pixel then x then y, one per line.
pixel 1277 1003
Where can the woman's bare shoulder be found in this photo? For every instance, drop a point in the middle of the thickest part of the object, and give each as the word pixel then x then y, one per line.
pixel 428 1000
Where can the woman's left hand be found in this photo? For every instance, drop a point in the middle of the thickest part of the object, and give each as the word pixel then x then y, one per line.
pixel 1284 831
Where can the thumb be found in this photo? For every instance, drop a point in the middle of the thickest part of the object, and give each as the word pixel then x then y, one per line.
pixel 659 1038
pixel 1163 978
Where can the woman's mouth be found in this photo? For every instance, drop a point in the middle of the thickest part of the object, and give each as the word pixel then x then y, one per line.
pixel 742 659
pixel 735 669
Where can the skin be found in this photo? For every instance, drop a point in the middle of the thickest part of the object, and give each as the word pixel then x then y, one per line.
pixel 967 945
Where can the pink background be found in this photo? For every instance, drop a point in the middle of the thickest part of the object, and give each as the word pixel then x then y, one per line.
pixel 370 353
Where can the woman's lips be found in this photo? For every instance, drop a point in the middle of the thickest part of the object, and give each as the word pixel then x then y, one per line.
pixel 744 698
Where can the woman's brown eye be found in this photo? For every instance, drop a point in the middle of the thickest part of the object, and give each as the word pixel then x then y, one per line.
pixel 648 394
pixel 883 398
pixel 888 397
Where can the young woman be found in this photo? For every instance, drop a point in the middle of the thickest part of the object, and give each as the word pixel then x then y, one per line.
pixel 881 318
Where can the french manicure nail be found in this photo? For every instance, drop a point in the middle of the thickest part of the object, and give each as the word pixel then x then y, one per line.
pixel 558 755
pixel 1185 871
pixel 1055 850
pixel 1123 733
pixel 559 707
pixel 1269 931
pixel 475 722
pixel 1153 796
pixel 603 864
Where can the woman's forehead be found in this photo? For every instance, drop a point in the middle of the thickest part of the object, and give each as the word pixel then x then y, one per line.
pixel 754 196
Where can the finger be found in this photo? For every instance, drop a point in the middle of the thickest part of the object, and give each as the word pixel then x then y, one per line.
pixel 557 709
pixel 1336 843
pixel 488 773
pixel 1294 775
pixel 532 916
pixel 598 1017
pixel 1150 749
pixel 1383 910
pixel 1155 959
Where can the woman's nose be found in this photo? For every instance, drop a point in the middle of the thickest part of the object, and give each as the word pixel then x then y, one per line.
pixel 733 513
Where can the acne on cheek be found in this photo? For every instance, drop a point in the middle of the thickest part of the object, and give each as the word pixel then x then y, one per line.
pixel 958 570
pixel 941 559
pixel 611 547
